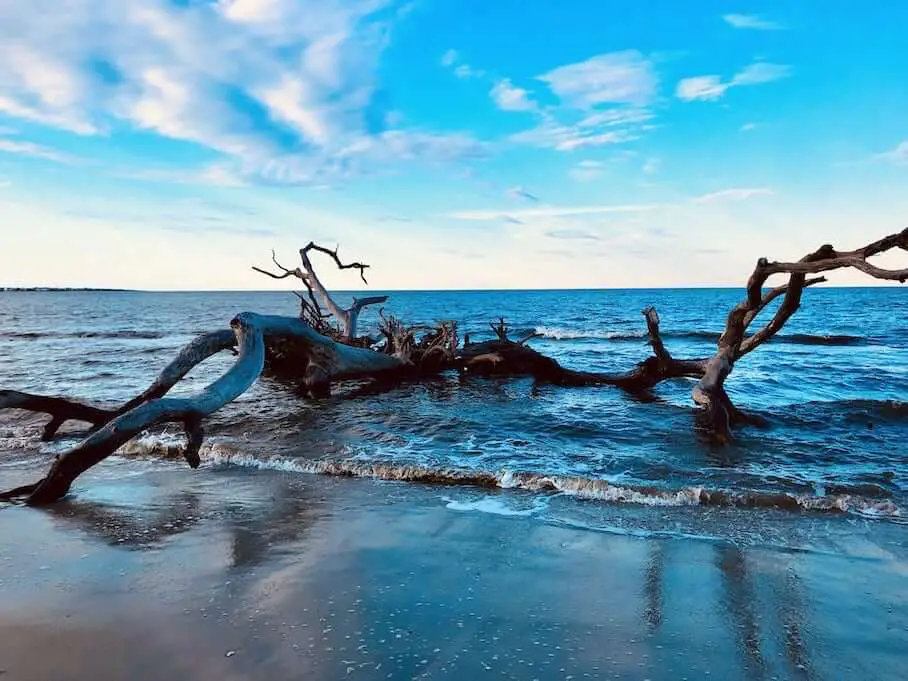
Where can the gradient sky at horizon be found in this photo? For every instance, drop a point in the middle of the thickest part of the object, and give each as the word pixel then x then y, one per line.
pixel 171 144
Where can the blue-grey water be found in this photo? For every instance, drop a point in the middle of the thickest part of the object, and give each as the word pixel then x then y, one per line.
pixel 833 386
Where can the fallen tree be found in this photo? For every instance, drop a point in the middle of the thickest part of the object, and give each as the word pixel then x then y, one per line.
pixel 316 352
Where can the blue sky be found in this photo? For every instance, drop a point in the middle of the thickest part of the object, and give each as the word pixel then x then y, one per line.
pixel 170 144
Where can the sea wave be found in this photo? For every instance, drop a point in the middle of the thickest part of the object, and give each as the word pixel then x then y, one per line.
pixel 854 410
pixel 122 334
pixel 220 453
pixel 559 333
pixel 567 334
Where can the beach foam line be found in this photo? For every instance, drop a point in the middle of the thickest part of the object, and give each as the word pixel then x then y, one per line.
pixel 218 453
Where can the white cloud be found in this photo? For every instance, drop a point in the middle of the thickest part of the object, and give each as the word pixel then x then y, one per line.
pixel 600 128
pixel 569 138
pixel 736 194
pixel 615 117
pixel 586 171
pixel 545 212
pixel 34 151
pixel 507 97
pixel 752 21
pixel 899 155
pixel 701 87
pixel 289 101
pixel 64 120
pixel 267 83
pixel 626 77
pixel 712 87
pixel 464 71
pixel 748 126
pixel 761 72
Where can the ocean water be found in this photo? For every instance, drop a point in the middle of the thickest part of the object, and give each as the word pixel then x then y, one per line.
pixel 833 386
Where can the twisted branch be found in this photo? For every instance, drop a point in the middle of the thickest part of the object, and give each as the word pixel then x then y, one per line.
pixel 346 318
pixel 718 411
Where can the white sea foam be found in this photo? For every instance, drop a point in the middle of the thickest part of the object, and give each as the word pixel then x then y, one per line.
pixel 494 505
pixel 560 333
pixel 221 453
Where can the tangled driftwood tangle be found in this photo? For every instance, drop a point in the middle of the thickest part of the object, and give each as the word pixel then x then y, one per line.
pixel 322 348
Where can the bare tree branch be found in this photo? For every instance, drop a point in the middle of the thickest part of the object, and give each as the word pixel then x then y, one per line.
pixel 719 412
pixel 312 246
pixel 346 318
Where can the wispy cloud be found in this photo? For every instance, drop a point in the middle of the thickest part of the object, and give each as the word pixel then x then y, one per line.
pixel 752 21
pixel 522 193
pixel 761 72
pixel 596 129
pixel 507 97
pixel 568 233
pixel 35 151
pixel 899 155
pixel 601 101
pixel 283 90
pixel 626 77
pixel 546 212
pixel 712 87
pixel 747 127
pixel 586 171
pixel 735 194
pixel 215 175
pixel 452 60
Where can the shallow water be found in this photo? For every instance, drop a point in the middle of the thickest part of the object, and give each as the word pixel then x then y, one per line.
pixel 834 387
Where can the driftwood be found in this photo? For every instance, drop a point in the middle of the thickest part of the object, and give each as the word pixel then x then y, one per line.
pixel 719 414
pixel 310 309
pixel 249 331
pixel 309 349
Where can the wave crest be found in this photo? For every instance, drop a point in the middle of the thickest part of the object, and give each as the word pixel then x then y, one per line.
pixel 560 333
pixel 217 453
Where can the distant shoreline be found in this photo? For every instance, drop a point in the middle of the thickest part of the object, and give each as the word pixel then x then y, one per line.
pixel 52 289
pixel 63 289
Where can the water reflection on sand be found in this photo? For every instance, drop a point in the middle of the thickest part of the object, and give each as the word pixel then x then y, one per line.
pixel 256 575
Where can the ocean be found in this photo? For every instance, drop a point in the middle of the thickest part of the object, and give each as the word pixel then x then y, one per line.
pixel 833 386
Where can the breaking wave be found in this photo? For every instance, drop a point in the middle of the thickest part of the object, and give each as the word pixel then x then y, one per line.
pixel 216 453
pixel 559 333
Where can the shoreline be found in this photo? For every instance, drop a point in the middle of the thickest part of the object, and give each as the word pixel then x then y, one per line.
pixel 150 572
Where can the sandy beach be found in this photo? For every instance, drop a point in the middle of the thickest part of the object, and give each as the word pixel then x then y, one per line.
pixel 237 574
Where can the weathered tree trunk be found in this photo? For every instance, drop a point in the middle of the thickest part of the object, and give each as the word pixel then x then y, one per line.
pixel 503 357
pixel 249 331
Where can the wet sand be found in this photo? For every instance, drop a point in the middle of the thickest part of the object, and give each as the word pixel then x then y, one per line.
pixel 239 574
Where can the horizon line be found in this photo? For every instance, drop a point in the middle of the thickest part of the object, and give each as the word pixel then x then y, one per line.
pixel 694 287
